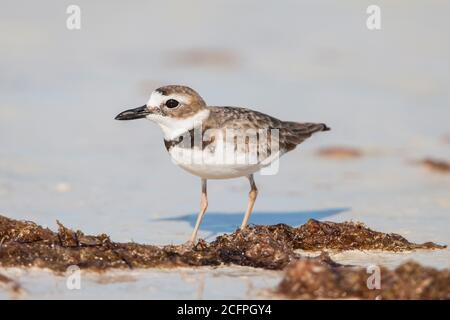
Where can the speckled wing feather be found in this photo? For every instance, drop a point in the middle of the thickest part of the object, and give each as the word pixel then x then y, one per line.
pixel 290 133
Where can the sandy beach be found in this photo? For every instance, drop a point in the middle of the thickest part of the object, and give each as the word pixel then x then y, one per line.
pixel 63 157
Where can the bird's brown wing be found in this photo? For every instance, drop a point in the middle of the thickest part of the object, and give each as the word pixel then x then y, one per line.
pixel 290 134
pixel 294 133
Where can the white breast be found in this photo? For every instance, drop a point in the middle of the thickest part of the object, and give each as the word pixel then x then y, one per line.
pixel 210 164
pixel 173 127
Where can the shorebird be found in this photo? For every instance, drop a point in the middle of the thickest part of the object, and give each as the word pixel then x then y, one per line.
pixel 219 142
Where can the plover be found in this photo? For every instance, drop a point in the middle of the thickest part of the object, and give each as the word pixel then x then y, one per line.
pixel 219 142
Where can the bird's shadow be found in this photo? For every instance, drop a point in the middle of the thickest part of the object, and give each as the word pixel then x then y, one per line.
pixel 220 222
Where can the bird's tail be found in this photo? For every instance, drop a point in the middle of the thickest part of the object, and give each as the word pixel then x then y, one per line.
pixel 306 128
pixel 294 133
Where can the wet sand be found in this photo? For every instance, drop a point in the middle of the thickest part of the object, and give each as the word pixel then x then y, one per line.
pixel 63 157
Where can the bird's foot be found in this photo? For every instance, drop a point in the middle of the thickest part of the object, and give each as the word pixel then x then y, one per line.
pixel 187 246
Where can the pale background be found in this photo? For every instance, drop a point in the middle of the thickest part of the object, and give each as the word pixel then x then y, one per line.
pixel 62 156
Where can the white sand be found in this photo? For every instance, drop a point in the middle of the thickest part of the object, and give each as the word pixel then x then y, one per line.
pixel 63 156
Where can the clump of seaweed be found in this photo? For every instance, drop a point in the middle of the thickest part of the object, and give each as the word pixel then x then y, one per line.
pixel 308 279
pixel 316 235
pixel 436 165
pixel 340 152
pixel 26 244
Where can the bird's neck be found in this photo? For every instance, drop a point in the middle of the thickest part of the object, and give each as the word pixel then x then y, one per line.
pixel 176 127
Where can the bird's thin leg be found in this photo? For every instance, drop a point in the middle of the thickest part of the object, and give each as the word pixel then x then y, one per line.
pixel 203 206
pixel 251 200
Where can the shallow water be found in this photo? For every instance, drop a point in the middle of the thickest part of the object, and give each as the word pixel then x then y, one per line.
pixel 63 156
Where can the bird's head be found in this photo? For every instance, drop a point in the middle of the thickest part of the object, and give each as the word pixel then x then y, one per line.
pixel 175 108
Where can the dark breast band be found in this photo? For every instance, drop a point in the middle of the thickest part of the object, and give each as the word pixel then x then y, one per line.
pixel 187 140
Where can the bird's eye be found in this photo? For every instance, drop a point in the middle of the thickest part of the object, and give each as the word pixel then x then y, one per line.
pixel 171 103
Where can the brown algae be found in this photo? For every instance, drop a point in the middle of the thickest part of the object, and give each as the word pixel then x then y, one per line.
pixel 431 164
pixel 340 152
pixel 26 244
pixel 309 279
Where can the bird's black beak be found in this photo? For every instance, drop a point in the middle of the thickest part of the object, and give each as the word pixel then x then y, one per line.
pixel 132 114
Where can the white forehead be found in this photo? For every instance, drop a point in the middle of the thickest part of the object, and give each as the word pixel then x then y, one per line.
pixel 157 99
